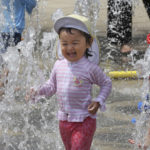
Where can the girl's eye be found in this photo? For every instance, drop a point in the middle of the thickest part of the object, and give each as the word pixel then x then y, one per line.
pixel 64 44
pixel 75 43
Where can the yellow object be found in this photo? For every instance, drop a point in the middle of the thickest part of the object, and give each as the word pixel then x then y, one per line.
pixel 122 74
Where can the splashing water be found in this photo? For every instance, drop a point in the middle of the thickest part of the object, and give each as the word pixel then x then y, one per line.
pixel 24 125
pixel 89 9
pixel 32 126
pixel 143 123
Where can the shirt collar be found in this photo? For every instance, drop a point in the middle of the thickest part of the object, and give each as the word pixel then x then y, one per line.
pixel 80 61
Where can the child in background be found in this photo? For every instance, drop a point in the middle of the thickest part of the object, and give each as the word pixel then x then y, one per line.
pixel 146 144
pixel 13 23
pixel 71 79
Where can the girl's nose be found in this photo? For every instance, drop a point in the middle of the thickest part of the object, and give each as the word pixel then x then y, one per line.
pixel 70 47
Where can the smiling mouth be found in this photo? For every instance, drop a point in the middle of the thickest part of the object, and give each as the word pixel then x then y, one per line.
pixel 73 54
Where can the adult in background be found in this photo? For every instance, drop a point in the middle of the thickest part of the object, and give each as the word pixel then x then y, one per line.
pixel 13 23
pixel 119 29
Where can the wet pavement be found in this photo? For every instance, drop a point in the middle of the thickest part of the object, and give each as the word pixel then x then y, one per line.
pixel 114 126
pixel 141 22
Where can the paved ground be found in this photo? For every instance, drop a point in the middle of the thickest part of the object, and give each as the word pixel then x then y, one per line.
pixel 141 22
pixel 115 129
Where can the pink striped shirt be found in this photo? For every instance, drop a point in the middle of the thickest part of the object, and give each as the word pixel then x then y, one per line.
pixel 72 82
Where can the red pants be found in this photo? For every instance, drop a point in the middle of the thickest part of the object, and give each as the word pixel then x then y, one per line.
pixel 77 135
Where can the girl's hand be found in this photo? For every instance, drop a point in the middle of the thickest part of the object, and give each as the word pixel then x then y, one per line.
pixel 93 107
pixel 31 94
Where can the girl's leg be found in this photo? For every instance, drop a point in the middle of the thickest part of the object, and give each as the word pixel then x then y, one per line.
pixel 65 132
pixel 82 134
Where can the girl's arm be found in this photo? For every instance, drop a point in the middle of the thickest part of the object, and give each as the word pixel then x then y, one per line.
pixel 105 84
pixel 49 88
pixel 93 107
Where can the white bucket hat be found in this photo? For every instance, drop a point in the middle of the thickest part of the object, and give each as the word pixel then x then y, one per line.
pixel 81 23
pixel 73 21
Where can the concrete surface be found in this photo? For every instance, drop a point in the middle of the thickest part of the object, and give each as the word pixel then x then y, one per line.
pixel 141 22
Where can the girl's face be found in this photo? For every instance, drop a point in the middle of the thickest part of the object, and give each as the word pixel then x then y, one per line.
pixel 73 45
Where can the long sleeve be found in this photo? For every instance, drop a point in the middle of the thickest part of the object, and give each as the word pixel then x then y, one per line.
pixel 72 82
pixel 29 4
pixel 99 78
pixel 49 88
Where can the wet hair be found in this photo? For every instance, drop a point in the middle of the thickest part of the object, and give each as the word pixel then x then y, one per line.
pixel 88 38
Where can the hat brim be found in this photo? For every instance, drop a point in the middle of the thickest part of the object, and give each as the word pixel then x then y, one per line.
pixel 69 22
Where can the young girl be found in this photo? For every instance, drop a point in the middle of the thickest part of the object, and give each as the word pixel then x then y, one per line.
pixel 72 79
